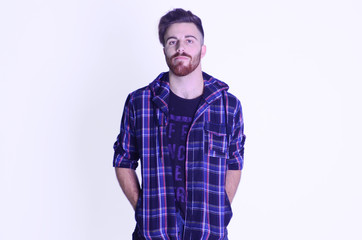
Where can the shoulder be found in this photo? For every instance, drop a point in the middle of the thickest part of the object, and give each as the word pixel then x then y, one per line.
pixel 147 91
pixel 214 83
pixel 140 93
pixel 230 99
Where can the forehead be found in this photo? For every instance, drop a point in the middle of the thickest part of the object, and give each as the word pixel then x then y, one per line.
pixel 179 30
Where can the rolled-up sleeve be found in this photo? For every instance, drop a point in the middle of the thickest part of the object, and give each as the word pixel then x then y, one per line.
pixel 237 141
pixel 125 148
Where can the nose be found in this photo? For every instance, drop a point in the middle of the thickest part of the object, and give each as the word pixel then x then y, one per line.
pixel 180 47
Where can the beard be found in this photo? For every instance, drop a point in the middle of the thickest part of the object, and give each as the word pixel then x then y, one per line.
pixel 181 68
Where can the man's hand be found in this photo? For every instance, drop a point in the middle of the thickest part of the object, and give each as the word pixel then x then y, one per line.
pixel 129 183
pixel 232 182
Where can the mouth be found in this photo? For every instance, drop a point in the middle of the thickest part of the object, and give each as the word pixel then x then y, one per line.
pixel 180 58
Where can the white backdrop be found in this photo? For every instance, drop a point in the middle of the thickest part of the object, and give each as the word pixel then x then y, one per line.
pixel 67 66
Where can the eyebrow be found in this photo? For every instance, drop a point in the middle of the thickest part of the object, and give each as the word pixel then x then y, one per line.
pixel 190 36
pixel 187 36
pixel 170 38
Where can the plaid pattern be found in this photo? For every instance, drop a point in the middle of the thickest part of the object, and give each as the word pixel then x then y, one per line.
pixel 215 143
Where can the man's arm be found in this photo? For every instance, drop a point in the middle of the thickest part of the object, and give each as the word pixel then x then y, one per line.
pixel 232 182
pixel 129 183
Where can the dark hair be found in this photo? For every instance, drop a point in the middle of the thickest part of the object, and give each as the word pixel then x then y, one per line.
pixel 178 15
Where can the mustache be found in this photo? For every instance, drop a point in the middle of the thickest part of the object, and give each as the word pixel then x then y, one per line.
pixel 180 54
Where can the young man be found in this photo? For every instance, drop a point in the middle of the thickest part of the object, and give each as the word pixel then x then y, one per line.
pixel 187 132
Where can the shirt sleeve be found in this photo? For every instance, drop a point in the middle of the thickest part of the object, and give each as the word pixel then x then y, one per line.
pixel 237 140
pixel 125 148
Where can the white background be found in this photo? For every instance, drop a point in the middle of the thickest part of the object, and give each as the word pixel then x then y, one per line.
pixel 67 66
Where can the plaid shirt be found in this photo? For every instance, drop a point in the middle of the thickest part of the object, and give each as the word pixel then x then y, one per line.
pixel 215 143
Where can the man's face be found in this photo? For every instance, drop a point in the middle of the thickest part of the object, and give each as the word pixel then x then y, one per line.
pixel 183 48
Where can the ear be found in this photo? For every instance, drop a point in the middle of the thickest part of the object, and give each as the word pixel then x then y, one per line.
pixel 203 51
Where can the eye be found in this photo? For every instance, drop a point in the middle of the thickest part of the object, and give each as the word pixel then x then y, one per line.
pixel 171 42
pixel 189 41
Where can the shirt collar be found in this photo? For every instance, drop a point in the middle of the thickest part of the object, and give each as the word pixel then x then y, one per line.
pixel 160 88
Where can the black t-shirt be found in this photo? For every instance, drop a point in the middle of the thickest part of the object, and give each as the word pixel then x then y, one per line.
pixel 181 114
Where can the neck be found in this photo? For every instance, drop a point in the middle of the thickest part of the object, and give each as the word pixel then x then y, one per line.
pixel 189 86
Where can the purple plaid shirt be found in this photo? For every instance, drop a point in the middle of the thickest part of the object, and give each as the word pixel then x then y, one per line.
pixel 215 143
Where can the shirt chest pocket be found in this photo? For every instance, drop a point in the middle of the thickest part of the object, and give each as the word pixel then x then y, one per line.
pixel 215 140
